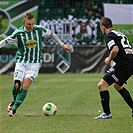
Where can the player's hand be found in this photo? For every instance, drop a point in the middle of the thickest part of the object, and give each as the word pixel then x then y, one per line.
pixel 107 60
pixel 68 47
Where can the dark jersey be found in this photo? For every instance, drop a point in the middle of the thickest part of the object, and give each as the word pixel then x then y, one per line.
pixel 123 68
pixel 117 38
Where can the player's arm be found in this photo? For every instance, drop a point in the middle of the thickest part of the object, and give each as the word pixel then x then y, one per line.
pixel 112 54
pixel 64 46
pixel 8 41
pixel 3 43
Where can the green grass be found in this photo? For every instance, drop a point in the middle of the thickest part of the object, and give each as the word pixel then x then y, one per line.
pixel 77 100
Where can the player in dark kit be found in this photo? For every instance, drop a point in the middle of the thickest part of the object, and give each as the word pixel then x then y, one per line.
pixel 121 52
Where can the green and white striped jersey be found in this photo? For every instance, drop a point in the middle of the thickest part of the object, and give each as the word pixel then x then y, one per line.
pixel 29 43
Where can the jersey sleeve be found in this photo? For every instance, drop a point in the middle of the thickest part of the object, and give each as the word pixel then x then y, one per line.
pixel 46 32
pixel 110 41
pixel 12 39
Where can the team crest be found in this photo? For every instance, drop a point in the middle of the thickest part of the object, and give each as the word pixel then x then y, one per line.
pixel 31 43
pixel 83 32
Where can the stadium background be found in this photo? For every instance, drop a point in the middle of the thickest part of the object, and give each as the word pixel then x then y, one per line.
pixel 76 22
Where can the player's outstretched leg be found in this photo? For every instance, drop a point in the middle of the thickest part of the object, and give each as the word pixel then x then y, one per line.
pixel 15 92
pixel 19 99
pixel 127 97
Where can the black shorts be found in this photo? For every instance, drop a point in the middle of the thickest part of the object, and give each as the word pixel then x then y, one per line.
pixel 118 74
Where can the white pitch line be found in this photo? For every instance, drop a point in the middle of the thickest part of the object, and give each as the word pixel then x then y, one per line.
pixel 20 15
pixel 19 3
pixel 13 27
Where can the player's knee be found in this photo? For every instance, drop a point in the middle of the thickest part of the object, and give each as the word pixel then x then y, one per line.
pixel 99 86
pixel 26 84
pixel 17 84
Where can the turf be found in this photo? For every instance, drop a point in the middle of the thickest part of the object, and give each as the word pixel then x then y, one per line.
pixel 78 102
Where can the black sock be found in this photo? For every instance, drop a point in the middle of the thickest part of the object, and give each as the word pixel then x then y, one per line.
pixel 105 101
pixel 126 95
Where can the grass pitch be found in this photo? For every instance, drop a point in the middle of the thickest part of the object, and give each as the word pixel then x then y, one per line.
pixel 78 102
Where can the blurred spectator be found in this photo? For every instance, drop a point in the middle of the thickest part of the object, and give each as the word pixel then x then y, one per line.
pixel 95 9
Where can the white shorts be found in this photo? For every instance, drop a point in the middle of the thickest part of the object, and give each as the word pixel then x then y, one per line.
pixel 26 70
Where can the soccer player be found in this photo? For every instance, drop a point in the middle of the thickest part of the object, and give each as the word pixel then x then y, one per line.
pixel 28 57
pixel 120 51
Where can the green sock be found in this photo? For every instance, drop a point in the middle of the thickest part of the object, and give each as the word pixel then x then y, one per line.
pixel 19 99
pixel 15 93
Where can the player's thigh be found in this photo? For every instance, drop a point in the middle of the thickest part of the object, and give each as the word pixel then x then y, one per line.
pixel 19 71
pixel 108 76
pixel 115 75
pixel 32 71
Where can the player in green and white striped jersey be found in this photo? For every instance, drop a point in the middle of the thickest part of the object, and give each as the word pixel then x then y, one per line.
pixel 28 57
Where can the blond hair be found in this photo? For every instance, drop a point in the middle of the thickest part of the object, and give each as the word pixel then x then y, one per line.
pixel 28 15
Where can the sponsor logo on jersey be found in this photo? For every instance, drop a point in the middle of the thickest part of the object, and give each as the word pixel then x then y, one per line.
pixel 31 43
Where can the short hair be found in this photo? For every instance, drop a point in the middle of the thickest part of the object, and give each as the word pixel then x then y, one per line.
pixel 28 15
pixel 105 21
